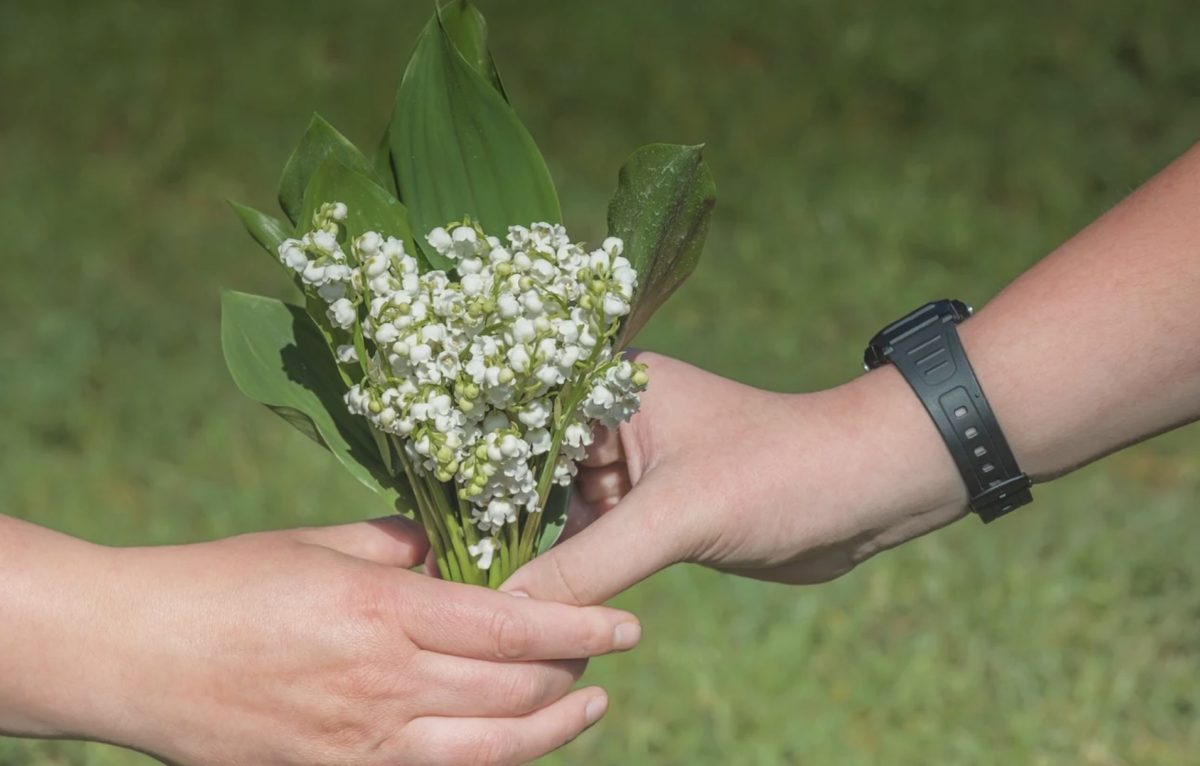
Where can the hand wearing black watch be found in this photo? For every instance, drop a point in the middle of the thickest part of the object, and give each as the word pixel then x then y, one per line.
pixel 925 347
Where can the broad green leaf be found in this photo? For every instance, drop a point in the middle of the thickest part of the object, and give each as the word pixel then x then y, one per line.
pixel 664 200
pixel 370 206
pixel 320 140
pixel 277 356
pixel 468 30
pixel 459 149
pixel 554 518
pixel 267 231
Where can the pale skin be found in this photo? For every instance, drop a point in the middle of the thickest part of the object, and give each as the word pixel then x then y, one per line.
pixel 295 648
pixel 1094 348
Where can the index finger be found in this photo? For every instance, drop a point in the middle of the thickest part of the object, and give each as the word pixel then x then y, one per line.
pixel 470 621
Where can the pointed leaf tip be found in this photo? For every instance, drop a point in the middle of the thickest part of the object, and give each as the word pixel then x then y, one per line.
pixel 662 207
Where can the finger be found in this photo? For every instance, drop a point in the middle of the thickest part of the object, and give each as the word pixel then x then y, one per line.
pixel 392 541
pixel 457 686
pixel 621 548
pixel 469 621
pixel 605 447
pixel 603 485
pixel 431 567
pixel 437 741
pixel 580 515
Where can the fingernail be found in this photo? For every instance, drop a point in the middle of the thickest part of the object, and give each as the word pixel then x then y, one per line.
pixel 595 708
pixel 518 593
pixel 626 635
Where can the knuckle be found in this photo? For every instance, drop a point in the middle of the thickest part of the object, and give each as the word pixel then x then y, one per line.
pixel 511 635
pixel 526 688
pixel 347 735
pixel 362 683
pixel 571 593
pixel 369 603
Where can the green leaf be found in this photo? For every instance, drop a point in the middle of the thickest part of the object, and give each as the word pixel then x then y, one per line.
pixel 554 518
pixel 370 206
pixel 459 149
pixel 664 200
pixel 468 30
pixel 320 140
pixel 277 356
pixel 267 231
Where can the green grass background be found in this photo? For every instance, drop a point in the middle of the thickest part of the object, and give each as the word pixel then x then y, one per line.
pixel 869 157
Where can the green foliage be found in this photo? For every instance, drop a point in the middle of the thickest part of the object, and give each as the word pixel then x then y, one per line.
pixel 278 357
pixel 467 29
pixel 320 141
pixel 371 207
pixel 458 148
pixel 451 90
pixel 665 198
pixel 266 230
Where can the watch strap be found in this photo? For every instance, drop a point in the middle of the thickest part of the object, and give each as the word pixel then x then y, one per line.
pixel 926 349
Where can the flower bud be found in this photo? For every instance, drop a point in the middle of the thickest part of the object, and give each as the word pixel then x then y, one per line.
pixel 614 246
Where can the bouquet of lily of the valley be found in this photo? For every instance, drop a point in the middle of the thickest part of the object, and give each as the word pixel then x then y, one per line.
pixel 453 347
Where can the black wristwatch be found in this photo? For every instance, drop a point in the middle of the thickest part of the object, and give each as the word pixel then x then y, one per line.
pixel 925 348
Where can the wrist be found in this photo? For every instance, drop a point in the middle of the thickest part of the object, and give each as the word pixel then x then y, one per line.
pixel 895 471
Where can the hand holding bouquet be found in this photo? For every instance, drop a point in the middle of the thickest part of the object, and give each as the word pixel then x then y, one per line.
pixel 459 371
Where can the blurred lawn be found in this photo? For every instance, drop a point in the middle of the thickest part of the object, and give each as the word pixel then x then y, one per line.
pixel 868 158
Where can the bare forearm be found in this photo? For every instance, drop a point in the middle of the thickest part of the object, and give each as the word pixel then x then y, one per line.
pixel 49 598
pixel 1098 345
pixel 1092 349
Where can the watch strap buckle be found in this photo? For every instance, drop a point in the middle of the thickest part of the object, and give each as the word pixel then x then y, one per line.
pixel 1002 496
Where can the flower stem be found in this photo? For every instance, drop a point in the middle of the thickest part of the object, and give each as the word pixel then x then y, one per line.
pixel 437 536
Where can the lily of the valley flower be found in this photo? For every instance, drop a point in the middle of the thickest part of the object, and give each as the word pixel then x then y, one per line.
pixel 490 375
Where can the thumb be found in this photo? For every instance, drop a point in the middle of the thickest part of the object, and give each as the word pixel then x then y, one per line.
pixel 392 541
pixel 621 548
